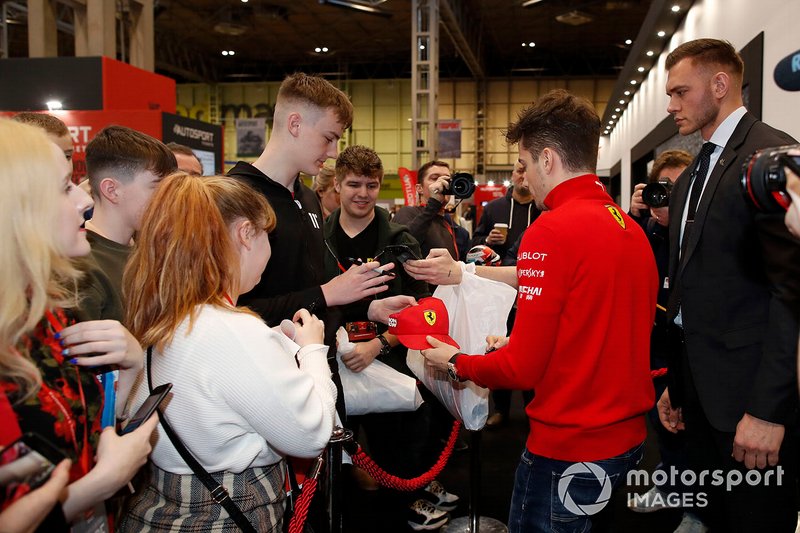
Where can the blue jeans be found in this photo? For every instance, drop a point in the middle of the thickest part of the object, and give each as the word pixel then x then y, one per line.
pixel 544 501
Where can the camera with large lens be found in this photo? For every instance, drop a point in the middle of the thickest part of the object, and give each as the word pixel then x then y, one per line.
pixel 656 194
pixel 764 178
pixel 462 185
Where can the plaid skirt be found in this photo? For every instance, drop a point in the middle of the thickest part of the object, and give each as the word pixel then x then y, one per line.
pixel 174 502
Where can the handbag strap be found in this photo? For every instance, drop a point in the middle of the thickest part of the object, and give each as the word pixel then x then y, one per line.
pixel 218 492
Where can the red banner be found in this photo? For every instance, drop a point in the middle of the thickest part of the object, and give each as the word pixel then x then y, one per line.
pixel 409 180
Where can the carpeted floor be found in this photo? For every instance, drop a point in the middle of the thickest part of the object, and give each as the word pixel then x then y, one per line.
pixel 382 511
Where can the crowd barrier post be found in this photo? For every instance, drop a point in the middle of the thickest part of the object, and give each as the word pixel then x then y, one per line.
pixel 333 487
pixel 473 522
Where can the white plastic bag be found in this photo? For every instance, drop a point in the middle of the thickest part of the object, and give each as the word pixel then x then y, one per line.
pixel 477 307
pixel 378 388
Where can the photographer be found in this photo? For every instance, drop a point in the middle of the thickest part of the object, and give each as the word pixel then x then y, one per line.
pixel 428 222
pixel 650 208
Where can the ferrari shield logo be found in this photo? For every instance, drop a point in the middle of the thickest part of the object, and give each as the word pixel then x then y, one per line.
pixel 430 317
pixel 616 214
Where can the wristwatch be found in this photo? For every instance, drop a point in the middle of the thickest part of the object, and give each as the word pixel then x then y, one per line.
pixel 451 368
pixel 385 346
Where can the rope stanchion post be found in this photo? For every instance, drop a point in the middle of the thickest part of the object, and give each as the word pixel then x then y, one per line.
pixel 473 522
pixel 333 479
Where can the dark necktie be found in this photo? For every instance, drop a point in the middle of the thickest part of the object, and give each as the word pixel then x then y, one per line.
pixel 698 180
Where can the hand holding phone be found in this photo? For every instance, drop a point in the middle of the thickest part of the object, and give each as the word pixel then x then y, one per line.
pixel 148 408
pixel 401 252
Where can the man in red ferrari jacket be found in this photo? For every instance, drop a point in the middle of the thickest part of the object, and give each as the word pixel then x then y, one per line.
pixel 586 283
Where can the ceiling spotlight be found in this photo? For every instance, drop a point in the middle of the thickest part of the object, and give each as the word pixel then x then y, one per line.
pixel 676 8
pixel 54 105
pixel 318 49
pixel 528 3
pixel 613 116
pixel 231 52
pixel 617 109
pixel 224 52
pixel 649 53
pixel 633 82
pixel 324 48
pixel 628 41
pixel 244 1
pixel 490 183
pixel 640 69
pixel 422 47
pixel 506 183
pixel 662 33
pixel 622 102
pixel 626 93
pixel 524 44
pixel 531 44
pixel 610 122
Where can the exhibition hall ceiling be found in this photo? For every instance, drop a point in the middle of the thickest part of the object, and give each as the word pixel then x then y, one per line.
pixel 270 38
pixel 280 36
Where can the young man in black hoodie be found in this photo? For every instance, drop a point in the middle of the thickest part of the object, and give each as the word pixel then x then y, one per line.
pixel 310 117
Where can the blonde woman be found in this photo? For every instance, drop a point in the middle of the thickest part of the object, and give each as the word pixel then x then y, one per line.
pixel 45 387
pixel 326 193
pixel 243 395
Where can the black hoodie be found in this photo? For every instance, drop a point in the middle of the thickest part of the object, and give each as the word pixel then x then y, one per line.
pixel 296 268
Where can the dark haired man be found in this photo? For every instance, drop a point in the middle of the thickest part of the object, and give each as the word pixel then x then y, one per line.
pixel 582 331
pixel 124 168
pixel 735 281
pixel 187 160
pixel 359 230
pixel 428 222
pixel 55 128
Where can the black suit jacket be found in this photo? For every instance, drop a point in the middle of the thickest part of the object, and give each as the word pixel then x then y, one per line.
pixel 738 287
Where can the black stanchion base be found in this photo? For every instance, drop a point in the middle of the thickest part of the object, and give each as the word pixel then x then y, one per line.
pixel 485 525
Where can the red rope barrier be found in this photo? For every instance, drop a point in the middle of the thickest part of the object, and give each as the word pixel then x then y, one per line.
pixel 361 459
pixel 658 373
pixel 298 521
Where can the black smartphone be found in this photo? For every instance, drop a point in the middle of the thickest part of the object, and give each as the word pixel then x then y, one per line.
pixel 401 252
pixel 148 408
pixel 27 463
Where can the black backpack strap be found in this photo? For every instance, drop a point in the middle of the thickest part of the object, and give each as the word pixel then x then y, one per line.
pixel 218 492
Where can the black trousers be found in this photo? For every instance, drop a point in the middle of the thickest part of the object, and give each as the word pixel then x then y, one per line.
pixel 770 504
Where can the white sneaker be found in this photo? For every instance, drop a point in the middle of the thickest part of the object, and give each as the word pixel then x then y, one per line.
pixel 440 498
pixel 691 524
pixel 653 500
pixel 426 517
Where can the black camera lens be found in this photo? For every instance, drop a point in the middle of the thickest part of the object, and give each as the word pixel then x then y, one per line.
pixel 657 194
pixel 462 185
pixel 764 178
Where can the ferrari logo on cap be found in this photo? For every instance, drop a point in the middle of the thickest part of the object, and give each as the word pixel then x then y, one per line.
pixel 616 214
pixel 430 317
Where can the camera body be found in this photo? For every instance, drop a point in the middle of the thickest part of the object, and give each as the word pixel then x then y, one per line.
pixel 462 185
pixel 764 178
pixel 656 194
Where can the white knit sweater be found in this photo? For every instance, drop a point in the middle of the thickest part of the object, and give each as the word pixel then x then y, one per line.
pixel 238 398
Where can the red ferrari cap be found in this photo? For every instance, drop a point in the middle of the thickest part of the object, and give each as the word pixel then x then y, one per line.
pixel 413 324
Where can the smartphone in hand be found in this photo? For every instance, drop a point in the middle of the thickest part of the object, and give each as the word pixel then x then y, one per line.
pixel 148 408
pixel 27 463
